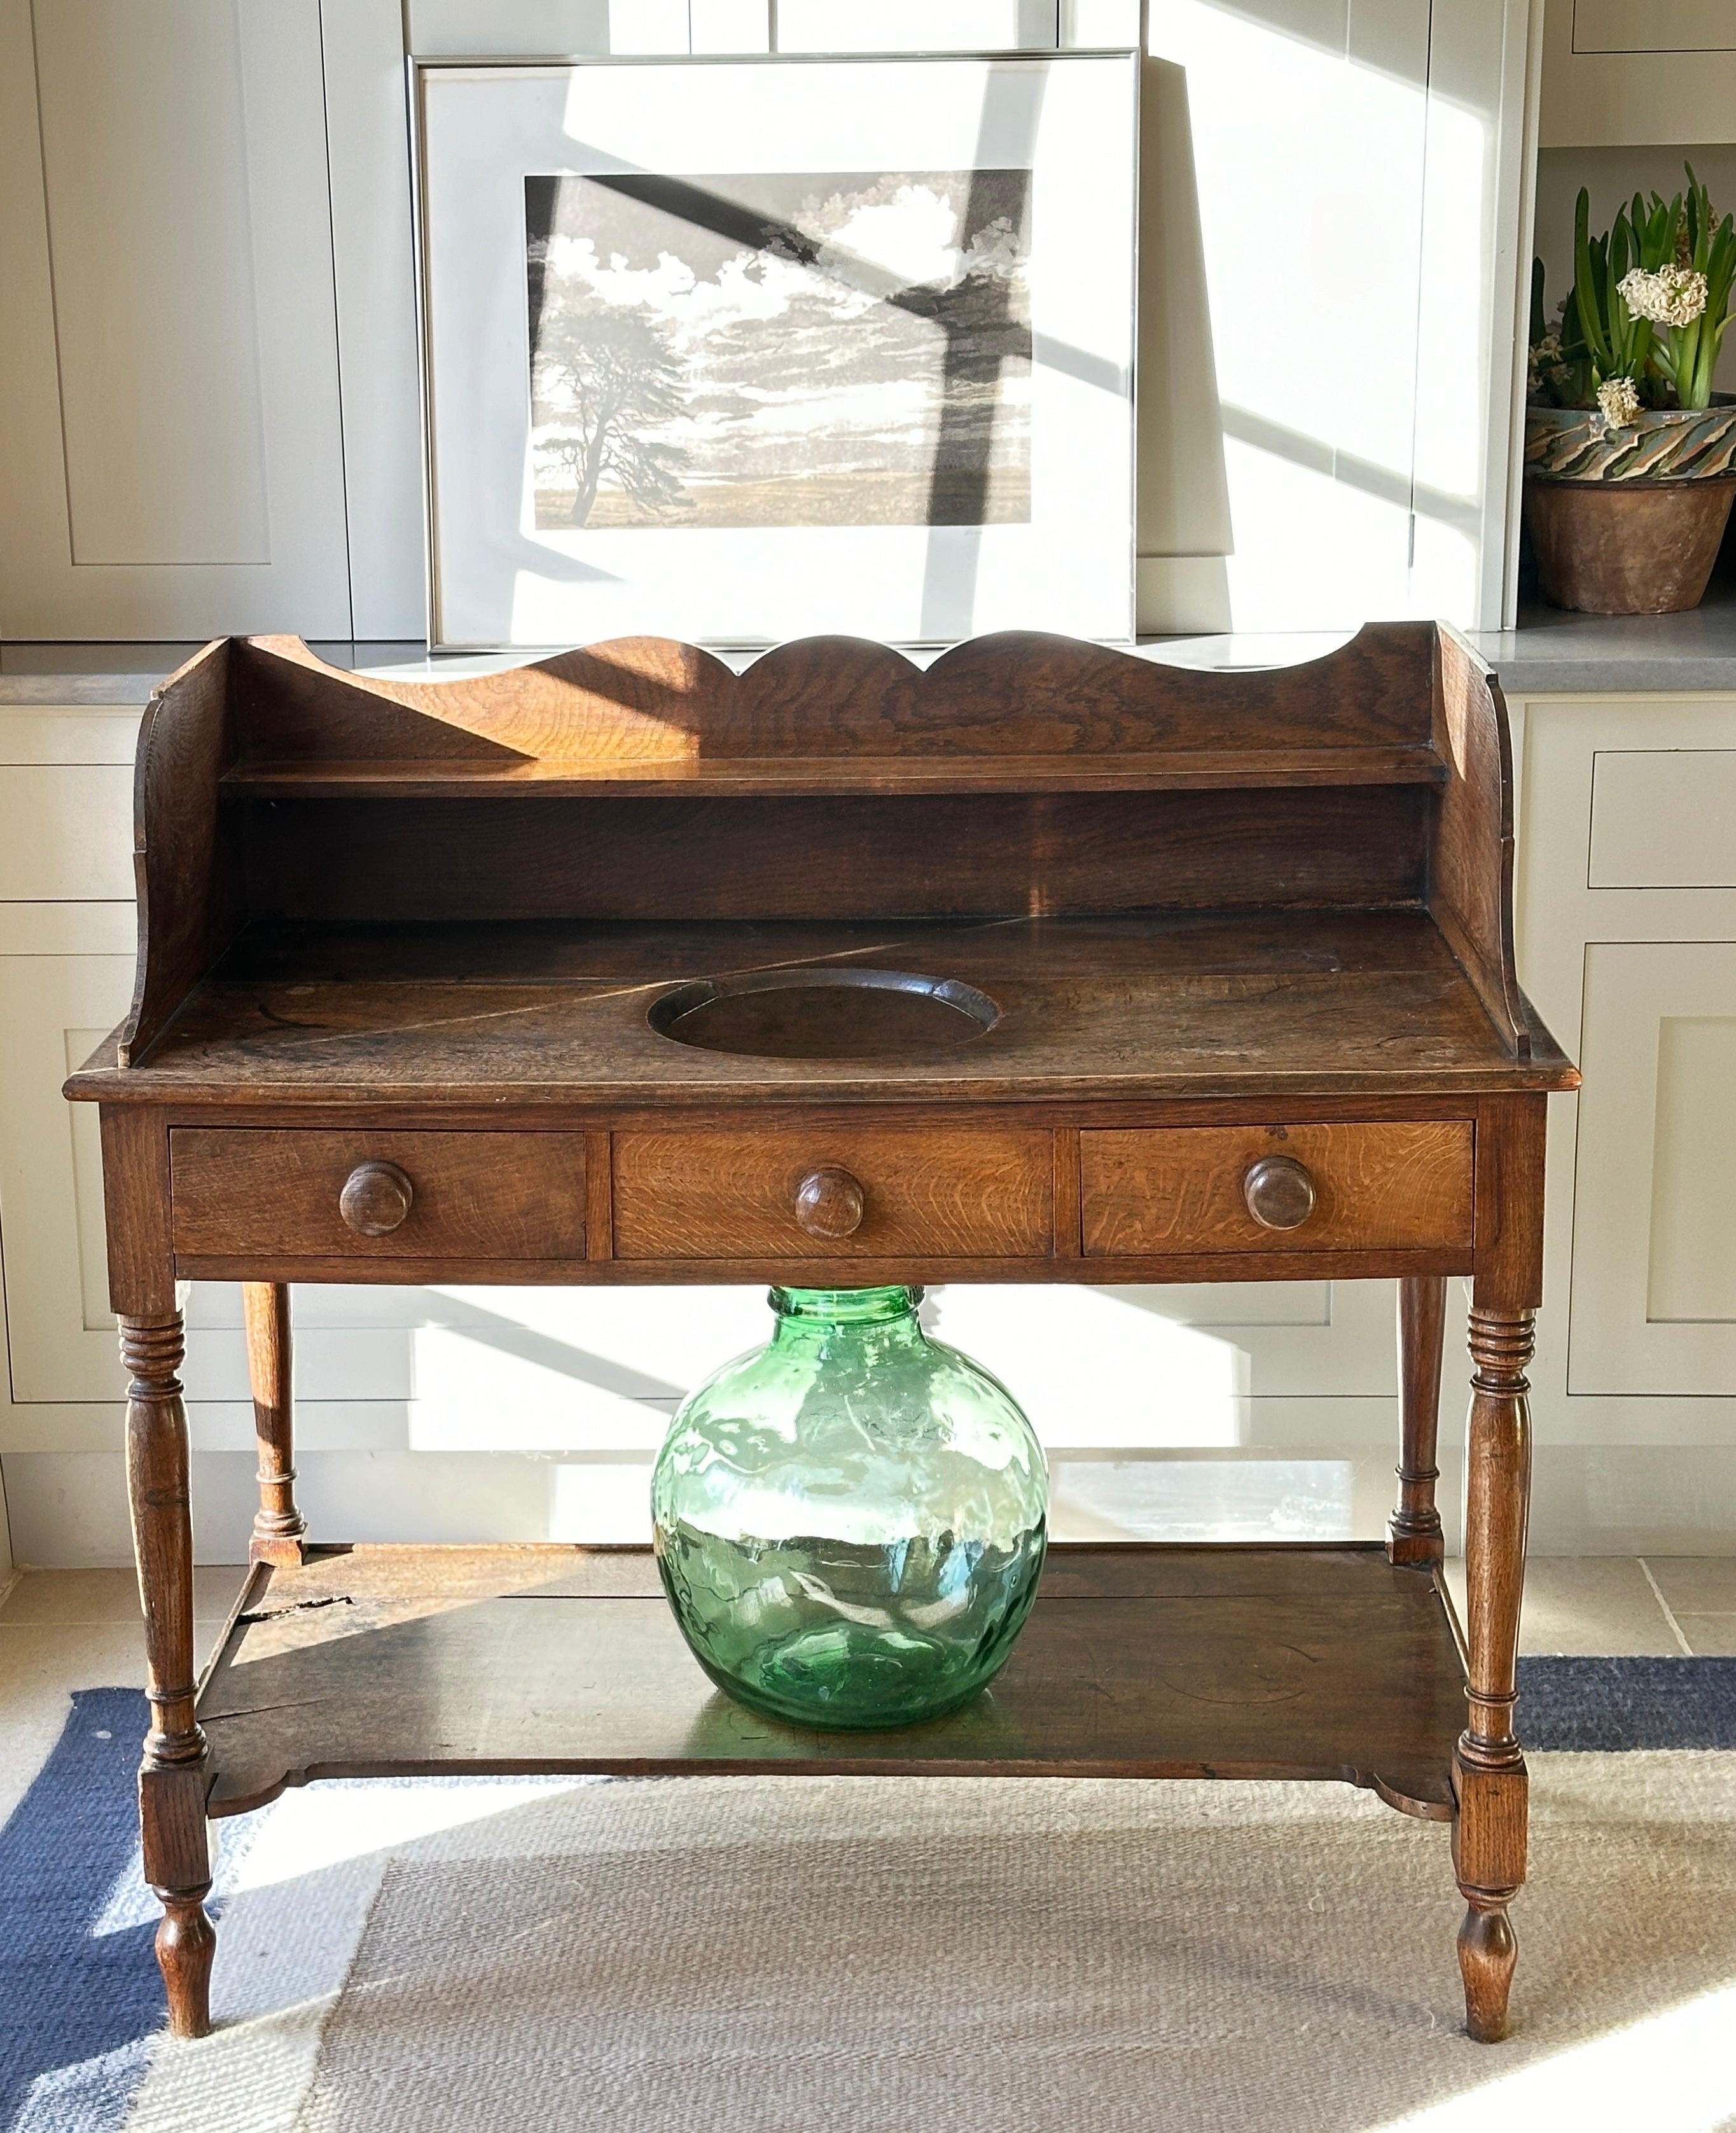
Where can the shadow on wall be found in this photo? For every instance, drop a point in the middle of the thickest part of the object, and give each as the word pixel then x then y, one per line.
pixel 1322 422
pixel 1182 534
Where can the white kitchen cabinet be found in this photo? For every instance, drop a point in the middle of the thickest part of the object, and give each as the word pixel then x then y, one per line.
pixel 53 1009
pixel 1628 945
pixel 171 431
pixel 1636 72
pixel 1654 1279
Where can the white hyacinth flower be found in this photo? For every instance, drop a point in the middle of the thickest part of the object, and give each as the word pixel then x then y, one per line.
pixel 1543 360
pixel 1673 297
pixel 1619 401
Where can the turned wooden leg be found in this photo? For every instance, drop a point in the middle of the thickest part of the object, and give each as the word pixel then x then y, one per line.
pixel 173 1775
pixel 1413 1531
pixel 279 1528
pixel 1488 1834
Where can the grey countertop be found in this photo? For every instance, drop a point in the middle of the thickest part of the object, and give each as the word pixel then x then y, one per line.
pixel 1554 653
pixel 1550 653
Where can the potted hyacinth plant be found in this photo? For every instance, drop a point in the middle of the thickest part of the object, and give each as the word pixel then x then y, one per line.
pixel 1630 457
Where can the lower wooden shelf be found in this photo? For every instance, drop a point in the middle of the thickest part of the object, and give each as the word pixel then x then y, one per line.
pixel 1139 1661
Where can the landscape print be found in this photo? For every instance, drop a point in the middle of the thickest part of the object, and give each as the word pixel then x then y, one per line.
pixel 804 350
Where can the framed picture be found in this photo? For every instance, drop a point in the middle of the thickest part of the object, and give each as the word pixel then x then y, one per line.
pixel 738 351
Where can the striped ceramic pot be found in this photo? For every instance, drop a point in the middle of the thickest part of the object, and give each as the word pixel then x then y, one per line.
pixel 1576 444
pixel 1628 521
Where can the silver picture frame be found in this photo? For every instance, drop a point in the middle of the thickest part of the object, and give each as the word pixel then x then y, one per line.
pixel 866 323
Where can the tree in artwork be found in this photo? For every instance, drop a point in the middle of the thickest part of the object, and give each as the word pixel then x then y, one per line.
pixel 605 379
pixel 782 349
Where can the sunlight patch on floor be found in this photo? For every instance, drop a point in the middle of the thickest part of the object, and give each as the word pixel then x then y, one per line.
pixel 1672 2071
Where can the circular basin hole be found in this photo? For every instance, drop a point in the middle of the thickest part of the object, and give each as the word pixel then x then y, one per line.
pixel 825 1014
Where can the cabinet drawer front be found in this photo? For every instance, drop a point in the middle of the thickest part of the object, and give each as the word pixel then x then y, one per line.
pixel 1663 818
pixel 1183 1189
pixel 66 833
pixel 710 1196
pixel 478 1195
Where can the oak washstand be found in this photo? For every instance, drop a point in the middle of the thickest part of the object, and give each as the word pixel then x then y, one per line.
pixel 1047 964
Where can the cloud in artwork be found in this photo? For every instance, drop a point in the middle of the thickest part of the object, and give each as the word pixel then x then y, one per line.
pixel 780 348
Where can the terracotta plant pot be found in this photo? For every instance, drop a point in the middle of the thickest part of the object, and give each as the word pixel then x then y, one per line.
pixel 1626 547
pixel 1628 521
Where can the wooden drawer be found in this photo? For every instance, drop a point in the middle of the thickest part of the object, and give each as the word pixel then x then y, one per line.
pixel 473 1196
pixel 1182 1189
pixel 718 1195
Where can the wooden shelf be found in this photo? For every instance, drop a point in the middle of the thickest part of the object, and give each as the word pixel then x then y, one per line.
pixel 1176 770
pixel 1138 1661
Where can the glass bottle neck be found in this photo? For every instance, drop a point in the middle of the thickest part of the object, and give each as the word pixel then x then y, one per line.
pixel 817 1308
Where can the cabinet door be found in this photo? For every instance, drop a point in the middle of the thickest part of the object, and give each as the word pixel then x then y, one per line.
pixel 171 447
pixel 54 1011
pixel 1638 74
pixel 1654 1272
pixel 1653 25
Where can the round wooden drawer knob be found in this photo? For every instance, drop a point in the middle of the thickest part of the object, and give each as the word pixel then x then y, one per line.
pixel 1279 1192
pixel 376 1198
pixel 830 1203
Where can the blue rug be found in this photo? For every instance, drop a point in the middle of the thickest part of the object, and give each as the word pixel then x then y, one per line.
pixel 78 2007
pixel 1627 1703
pixel 76 2004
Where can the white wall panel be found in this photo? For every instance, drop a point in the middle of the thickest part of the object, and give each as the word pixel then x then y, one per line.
pixel 373 262
pixel 1337 252
pixel 916 26
pixel 1475 286
pixel 729 25
pixel 507 29
pixel 1308 126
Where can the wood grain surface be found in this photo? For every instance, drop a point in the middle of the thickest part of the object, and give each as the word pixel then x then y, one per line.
pixel 1221 917
pixel 826 856
pixel 185 856
pixel 1142 1005
pixel 279 1528
pixel 1471 850
pixel 648 699
pixel 1180 770
pixel 1378 1185
pixel 972 1195
pixel 1414 1533
pixel 478 1195
pixel 1200 1662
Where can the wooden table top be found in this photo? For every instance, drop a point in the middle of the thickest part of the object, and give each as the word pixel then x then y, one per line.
pixel 1119 1008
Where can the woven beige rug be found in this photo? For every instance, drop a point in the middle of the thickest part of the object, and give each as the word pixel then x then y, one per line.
pixel 792 1955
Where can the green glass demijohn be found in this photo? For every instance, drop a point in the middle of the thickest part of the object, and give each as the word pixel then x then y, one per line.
pixel 850 1521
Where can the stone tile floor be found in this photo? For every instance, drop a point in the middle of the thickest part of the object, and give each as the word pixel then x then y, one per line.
pixel 1614 1605
pixel 62 1629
